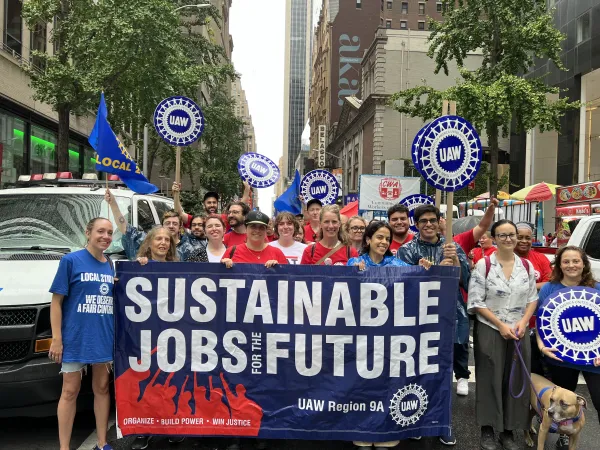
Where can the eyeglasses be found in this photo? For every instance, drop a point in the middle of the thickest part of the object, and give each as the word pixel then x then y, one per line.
pixel 504 236
pixel 426 221
pixel 355 229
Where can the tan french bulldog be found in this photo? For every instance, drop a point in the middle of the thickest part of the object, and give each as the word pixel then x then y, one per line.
pixel 559 406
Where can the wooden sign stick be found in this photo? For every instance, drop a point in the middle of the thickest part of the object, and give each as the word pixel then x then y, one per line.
pixel 450 195
pixel 177 173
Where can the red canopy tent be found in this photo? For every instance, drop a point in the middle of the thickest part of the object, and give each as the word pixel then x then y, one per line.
pixel 351 209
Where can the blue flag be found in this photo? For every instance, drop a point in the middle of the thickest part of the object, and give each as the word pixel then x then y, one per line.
pixel 113 157
pixel 289 201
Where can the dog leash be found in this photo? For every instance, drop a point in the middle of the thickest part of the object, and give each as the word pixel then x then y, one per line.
pixel 524 370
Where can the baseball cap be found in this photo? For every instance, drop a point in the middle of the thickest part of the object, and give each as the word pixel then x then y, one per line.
pixel 313 202
pixel 211 194
pixel 257 217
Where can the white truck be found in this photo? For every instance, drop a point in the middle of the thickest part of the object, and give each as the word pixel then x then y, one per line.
pixel 38 225
pixel 586 234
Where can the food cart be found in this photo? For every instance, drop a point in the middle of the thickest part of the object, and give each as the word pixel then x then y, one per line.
pixel 573 203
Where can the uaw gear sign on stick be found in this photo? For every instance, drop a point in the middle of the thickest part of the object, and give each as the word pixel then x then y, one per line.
pixel 293 352
pixel 449 153
pixel 258 170
pixel 321 185
pixel 569 320
pixel 412 202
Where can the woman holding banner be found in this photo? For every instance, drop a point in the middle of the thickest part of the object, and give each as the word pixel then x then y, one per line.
pixel 332 247
pixel 81 316
pixel 571 268
pixel 215 229
pixel 376 248
pixel 502 293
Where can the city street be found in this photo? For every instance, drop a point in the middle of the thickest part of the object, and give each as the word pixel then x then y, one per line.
pixel 38 434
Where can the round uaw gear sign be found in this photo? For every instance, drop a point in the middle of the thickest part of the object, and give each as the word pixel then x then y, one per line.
pixel 258 170
pixel 321 185
pixel 415 147
pixel 412 202
pixel 449 153
pixel 408 405
pixel 569 320
pixel 179 121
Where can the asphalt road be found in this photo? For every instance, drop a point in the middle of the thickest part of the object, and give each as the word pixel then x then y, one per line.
pixel 41 434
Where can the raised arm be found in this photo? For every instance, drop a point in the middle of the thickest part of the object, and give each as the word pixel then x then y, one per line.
pixel 246 194
pixel 178 208
pixel 486 220
pixel 119 218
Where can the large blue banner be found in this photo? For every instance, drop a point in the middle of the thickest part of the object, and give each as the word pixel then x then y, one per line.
pixel 293 352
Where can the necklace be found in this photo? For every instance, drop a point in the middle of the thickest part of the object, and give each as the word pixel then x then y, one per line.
pixel 254 252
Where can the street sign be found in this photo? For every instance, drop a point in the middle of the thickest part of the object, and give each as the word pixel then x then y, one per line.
pixel 412 202
pixel 569 320
pixel 258 170
pixel 322 146
pixel 179 121
pixel 319 184
pixel 449 153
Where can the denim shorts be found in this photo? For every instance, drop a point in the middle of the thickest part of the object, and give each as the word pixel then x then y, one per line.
pixel 72 367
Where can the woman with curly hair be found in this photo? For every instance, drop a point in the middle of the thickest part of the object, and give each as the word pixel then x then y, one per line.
pixel 571 268
pixel 159 245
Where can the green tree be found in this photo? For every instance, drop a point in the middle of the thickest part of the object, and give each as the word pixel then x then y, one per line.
pixel 136 51
pixel 510 33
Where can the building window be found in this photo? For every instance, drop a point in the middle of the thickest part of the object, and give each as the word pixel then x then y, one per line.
pixel 438 7
pixel 583 27
pixel 403 25
pixel 12 147
pixel 13 36
pixel 89 160
pixel 404 8
pixel 389 4
pixel 38 42
pixel 358 4
pixel 421 25
pixel 74 159
pixel 421 9
pixel 43 150
pixel 388 24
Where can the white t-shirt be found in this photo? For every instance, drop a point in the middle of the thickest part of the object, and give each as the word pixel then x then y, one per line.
pixel 215 259
pixel 293 253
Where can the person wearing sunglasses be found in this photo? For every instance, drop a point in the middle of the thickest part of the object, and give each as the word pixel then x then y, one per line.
pixel 355 229
pixel 429 244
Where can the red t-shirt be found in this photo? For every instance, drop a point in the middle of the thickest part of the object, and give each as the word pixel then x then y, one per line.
pixel 339 258
pixel 309 233
pixel 542 271
pixel 271 238
pixel 243 254
pixel 479 253
pixel 466 241
pixel 234 238
pixel 395 245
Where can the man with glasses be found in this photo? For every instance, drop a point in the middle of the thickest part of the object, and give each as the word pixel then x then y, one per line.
pixel 197 234
pixel 429 244
pixel 400 223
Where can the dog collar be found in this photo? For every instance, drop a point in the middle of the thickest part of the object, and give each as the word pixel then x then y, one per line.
pixel 556 425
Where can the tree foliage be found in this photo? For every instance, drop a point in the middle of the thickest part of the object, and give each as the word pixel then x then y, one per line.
pixel 510 34
pixel 137 51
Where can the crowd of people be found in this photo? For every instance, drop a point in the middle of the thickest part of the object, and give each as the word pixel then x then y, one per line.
pixel 503 280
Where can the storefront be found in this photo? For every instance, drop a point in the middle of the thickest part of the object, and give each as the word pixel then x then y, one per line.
pixel 28 147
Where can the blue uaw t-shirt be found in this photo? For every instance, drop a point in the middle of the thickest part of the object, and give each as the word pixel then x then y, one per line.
pixel 87 309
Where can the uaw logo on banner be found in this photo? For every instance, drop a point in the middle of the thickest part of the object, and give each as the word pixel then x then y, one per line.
pixel 258 170
pixel 412 202
pixel 569 320
pixel 447 152
pixel 390 188
pixel 292 352
pixel 319 184
pixel 179 121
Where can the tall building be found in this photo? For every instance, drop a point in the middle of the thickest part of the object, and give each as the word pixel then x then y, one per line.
pixel 345 30
pixel 243 112
pixel 298 38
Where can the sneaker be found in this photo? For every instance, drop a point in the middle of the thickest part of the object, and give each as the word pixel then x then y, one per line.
pixel 141 442
pixel 448 439
pixel 105 447
pixel 176 439
pixel 462 387
pixel 563 442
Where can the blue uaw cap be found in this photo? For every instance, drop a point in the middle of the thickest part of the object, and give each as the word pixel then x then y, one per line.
pixel 257 217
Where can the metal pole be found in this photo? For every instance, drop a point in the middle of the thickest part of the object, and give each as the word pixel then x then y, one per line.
pixel 145 166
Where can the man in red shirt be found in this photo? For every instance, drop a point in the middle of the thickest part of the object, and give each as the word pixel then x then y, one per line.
pixel 400 223
pixel 468 239
pixel 486 247
pixel 311 229
pixel 255 250
pixel 236 218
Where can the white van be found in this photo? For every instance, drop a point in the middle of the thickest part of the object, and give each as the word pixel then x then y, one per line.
pixel 38 225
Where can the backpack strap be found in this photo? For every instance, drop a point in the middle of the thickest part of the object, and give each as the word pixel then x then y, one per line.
pixel 526 264
pixel 312 250
pixel 488 266
pixel 232 252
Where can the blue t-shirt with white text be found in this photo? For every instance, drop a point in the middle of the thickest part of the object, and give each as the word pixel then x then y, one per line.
pixel 87 309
